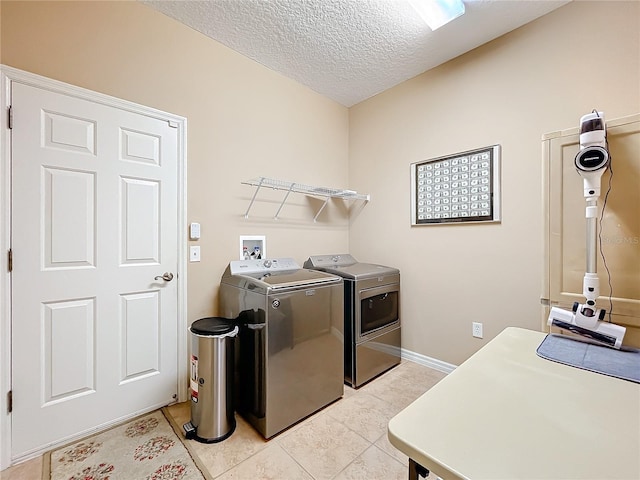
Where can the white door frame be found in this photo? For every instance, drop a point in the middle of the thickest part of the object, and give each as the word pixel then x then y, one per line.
pixel 8 75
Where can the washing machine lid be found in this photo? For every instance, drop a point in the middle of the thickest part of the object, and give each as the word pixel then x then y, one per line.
pixel 272 274
pixel 303 277
pixel 344 265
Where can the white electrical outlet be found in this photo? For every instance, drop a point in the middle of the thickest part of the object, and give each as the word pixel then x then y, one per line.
pixel 476 329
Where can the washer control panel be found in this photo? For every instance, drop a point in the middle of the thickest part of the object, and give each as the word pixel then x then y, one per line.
pixel 245 267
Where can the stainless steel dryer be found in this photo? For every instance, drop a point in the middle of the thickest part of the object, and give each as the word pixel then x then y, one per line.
pixel 371 314
pixel 290 345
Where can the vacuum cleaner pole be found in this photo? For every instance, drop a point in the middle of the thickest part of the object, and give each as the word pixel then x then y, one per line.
pixel 587 315
pixel 591 162
pixel 592 235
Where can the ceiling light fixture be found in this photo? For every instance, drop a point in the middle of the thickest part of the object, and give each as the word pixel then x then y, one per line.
pixel 437 13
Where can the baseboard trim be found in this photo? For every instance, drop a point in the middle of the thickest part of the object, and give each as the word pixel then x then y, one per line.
pixel 420 359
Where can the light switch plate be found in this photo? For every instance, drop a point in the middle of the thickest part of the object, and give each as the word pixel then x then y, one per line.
pixel 194 254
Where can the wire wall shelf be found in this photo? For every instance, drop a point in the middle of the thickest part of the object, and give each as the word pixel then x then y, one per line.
pixel 324 192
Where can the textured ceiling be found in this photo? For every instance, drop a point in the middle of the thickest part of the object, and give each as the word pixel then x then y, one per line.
pixel 349 50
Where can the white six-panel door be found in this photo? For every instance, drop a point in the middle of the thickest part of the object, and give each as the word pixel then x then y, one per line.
pixel 94 228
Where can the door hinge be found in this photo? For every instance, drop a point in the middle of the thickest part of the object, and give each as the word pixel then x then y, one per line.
pixel 10 260
pixel 172 124
pixel 10 117
pixel 10 401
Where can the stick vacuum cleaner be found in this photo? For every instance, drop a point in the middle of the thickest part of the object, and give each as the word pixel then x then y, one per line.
pixel 591 162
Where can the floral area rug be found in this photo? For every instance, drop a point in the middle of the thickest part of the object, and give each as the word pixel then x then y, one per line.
pixel 146 448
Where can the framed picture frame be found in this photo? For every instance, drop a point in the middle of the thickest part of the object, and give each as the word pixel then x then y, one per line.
pixel 459 188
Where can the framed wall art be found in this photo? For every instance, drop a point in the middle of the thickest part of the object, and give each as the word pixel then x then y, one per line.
pixel 459 188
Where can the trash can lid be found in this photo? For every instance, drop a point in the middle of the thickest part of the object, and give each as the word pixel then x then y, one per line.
pixel 212 326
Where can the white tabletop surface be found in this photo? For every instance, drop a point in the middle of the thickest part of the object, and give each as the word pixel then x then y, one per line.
pixel 508 414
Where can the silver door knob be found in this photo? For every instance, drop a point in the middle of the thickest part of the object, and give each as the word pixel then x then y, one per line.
pixel 167 277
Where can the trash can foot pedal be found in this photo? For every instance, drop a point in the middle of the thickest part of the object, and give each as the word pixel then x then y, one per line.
pixel 189 431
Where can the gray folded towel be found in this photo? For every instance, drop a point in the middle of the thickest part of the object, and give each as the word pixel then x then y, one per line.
pixel 624 364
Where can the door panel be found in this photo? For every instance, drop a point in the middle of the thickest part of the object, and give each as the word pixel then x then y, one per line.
pixel 70 199
pixel 68 349
pixel 140 326
pixel 140 201
pixel 94 221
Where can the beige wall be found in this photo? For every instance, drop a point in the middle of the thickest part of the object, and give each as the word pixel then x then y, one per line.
pixel 243 121
pixel 537 79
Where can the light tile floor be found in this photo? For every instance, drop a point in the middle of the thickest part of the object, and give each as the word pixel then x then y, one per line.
pixel 346 440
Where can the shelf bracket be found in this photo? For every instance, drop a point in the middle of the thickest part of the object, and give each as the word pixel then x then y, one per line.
pixel 246 214
pixel 321 208
pixel 283 200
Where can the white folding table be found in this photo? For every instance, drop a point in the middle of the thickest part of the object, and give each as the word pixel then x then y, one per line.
pixel 506 413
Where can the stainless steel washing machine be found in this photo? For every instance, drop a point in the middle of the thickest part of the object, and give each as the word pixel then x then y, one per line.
pixel 371 315
pixel 290 353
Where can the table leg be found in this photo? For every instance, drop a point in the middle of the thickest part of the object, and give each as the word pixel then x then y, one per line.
pixel 416 470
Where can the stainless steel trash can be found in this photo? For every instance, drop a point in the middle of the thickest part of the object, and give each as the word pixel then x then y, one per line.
pixel 211 389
